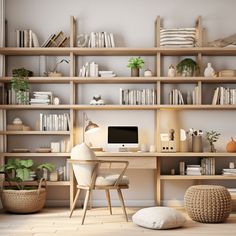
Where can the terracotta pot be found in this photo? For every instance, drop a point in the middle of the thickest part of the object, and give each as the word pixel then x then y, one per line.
pixel 134 72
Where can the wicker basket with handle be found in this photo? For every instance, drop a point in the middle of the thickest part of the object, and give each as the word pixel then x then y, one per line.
pixel 24 201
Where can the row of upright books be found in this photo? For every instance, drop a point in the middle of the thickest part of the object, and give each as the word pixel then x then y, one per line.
pixel 137 97
pixel 101 40
pixel 54 122
pixel 176 97
pixel 224 96
pixel 26 38
pixel 208 166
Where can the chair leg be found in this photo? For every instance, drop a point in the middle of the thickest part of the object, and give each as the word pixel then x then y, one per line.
pixel 90 201
pixel 108 200
pixel 122 203
pixel 75 201
pixel 86 201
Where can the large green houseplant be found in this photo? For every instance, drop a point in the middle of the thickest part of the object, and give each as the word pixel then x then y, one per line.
pixel 20 83
pixel 18 197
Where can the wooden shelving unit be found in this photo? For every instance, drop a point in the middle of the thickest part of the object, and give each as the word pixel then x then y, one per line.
pixel 158 81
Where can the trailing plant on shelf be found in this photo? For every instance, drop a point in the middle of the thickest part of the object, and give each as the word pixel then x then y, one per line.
pixel 212 137
pixel 18 171
pixel 135 63
pixel 20 83
pixel 187 67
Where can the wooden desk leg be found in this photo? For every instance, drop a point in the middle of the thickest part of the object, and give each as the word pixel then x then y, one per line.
pixel 72 186
pixel 158 182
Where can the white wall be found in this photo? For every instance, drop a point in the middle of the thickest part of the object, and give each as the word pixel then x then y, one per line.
pixel 132 22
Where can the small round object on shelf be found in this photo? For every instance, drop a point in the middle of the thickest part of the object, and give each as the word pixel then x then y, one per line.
pixel 56 100
pixel 148 73
pixel 17 121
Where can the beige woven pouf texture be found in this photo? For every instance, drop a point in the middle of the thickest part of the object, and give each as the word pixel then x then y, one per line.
pixel 208 203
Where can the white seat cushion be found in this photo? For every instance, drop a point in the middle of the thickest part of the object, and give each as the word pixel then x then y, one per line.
pixel 83 172
pixel 105 180
pixel 159 218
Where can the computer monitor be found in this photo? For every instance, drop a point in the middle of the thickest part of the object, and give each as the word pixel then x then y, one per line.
pixel 120 138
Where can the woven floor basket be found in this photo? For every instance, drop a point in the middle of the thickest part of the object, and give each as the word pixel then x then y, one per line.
pixel 23 201
pixel 208 203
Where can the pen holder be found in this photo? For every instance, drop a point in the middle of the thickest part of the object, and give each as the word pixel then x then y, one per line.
pixel 197 144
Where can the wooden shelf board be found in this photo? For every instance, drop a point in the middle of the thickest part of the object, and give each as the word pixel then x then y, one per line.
pixel 11 51
pixel 188 177
pixel 34 132
pixel 114 107
pixel 189 80
pixel 120 51
pixel 196 154
pixel 36 107
pixel 49 183
pixel 197 107
pixel 34 154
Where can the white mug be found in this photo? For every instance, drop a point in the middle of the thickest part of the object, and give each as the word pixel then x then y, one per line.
pixel 143 147
pixel 152 148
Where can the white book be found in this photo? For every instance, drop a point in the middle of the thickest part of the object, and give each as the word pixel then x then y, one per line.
pixel 221 96
pixel 18 38
pixel 103 40
pixel 109 40
pixel 121 96
pixel 41 121
pixel 181 98
pixel 68 122
pixel 215 96
pixel 26 38
pixel 196 95
pixel 106 39
pixel 112 40
pixel 93 40
pixel 34 40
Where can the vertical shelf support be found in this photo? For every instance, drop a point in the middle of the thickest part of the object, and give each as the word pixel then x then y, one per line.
pixel 199 32
pixel 158 181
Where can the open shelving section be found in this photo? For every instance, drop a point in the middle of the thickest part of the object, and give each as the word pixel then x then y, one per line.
pixel 157 80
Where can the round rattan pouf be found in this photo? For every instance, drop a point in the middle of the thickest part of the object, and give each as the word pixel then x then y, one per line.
pixel 208 203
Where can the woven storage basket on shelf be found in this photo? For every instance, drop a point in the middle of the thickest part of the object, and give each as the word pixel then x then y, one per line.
pixel 24 201
pixel 208 203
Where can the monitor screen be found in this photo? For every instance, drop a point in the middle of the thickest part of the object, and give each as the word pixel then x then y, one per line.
pixel 122 134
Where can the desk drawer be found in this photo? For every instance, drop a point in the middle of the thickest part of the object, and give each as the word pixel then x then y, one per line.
pixel 134 162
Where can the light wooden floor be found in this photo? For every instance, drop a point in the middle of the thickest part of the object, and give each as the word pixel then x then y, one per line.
pixel 55 221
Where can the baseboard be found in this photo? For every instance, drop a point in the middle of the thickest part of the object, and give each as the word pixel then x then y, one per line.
pixel 172 203
pixel 102 203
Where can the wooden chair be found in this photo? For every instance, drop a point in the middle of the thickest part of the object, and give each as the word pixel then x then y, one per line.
pixel 92 186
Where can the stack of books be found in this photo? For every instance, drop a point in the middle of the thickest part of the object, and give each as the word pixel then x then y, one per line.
pixel 101 40
pixel 57 40
pixel 137 97
pixel 194 170
pixel 90 69
pixel 26 38
pixel 41 98
pixel 224 96
pixel 208 166
pixel 106 73
pixel 54 122
pixel 229 171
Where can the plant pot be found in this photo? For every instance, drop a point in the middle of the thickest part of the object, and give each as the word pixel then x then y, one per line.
pixel 134 72
pixel 197 144
pixel 24 201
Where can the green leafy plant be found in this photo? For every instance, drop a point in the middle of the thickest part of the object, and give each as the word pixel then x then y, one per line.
pixel 187 67
pixel 212 137
pixel 18 170
pixel 20 83
pixel 135 62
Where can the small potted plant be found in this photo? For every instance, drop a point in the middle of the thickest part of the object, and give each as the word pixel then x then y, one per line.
pixel 18 197
pixel 187 67
pixel 135 63
pixel 20 83
pixel 212 137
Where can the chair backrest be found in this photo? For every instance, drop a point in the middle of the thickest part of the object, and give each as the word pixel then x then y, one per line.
pixel 83 172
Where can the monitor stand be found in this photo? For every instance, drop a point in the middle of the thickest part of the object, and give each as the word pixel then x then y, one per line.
pixel 123 149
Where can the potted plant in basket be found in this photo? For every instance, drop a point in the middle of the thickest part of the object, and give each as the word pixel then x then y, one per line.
pixel 18 197
pixel 20 83
pixel 135 63
pixel 187 67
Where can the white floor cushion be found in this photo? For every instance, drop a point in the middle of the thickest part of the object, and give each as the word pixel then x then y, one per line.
pixel 159 218
pixel 105 180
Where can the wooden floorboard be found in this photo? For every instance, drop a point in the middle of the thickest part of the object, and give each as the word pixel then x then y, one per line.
pixel 55 221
